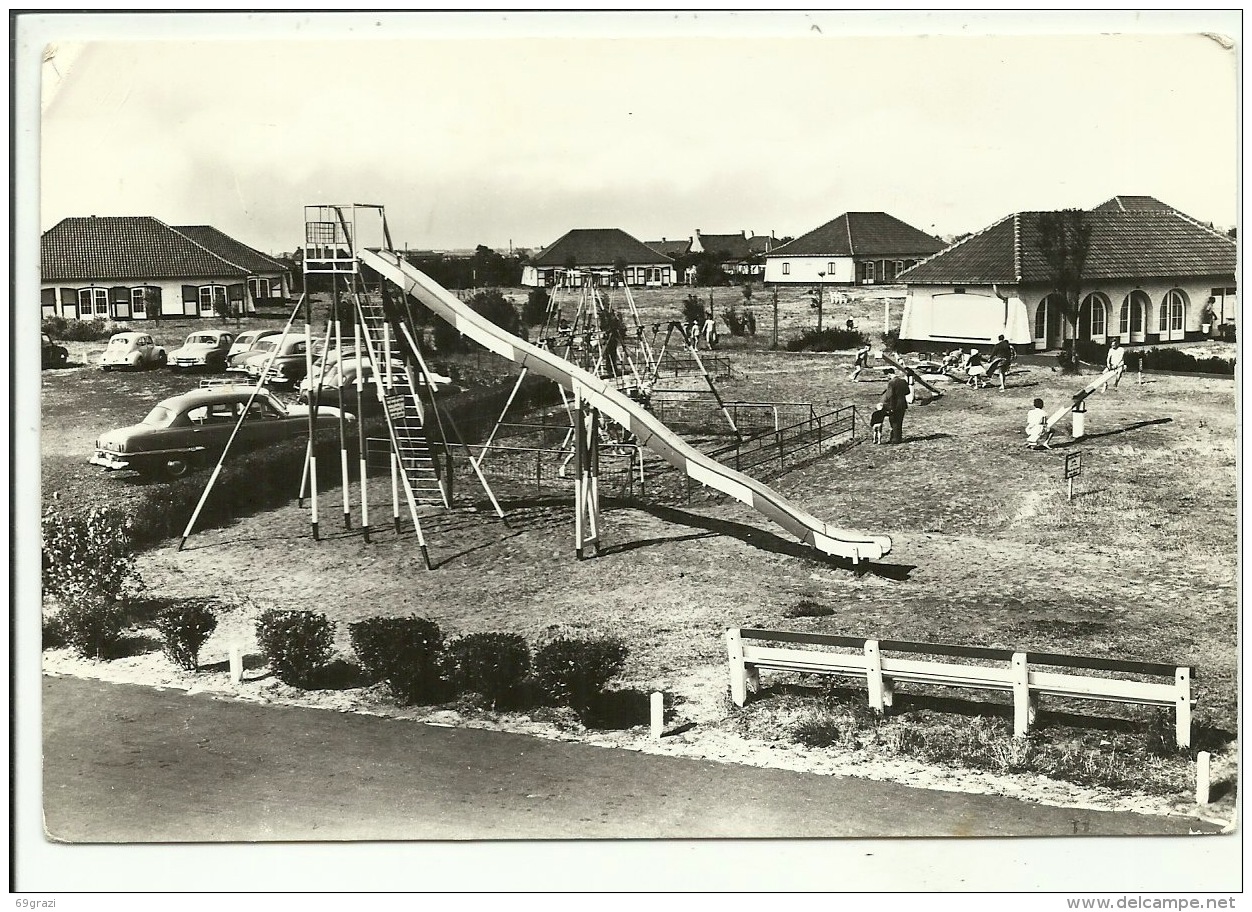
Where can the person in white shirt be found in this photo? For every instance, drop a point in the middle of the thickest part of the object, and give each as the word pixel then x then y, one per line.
pixel 1115 361
pixel 1037 433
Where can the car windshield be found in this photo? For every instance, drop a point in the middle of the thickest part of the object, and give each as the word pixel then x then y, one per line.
pixel 160 417
pixel 265 345
pixel 202 339
pixel 119 342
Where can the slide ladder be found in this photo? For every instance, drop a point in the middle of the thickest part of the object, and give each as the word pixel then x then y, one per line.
pixel 408 426
pixel 601 395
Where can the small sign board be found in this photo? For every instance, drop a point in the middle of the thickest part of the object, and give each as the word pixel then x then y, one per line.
pixel 1073 465
pixel 395 407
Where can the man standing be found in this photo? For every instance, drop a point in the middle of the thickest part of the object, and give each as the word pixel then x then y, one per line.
pixel 895 400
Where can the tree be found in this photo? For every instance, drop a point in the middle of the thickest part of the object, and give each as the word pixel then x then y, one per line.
pixel 535 311
pixel 1064 242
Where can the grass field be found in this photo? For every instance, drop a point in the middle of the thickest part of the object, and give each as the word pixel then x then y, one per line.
pixel 987 549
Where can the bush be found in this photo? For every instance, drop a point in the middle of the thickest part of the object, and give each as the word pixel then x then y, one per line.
pixel 53 635
pixel 446 338
pixel 808 608
pixel 92 628
pixel 1091 352
pixel 492 664
pixel 184 628
pixel 736 322
pixel 535 312
pixel 297 644
pixel 827 340
pixel 405 652
pixel 492 304
pixel 89 569
pixel 80 330
pixel 890 340
pixel 1172 359
pixel 693 309
pixel 572 672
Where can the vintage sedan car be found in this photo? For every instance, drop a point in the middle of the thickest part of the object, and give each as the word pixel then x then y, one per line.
pixel 344 374
pixel 281 364
pixel 205 349
pixel 190 431
pixel 245 343
pixel 132 351
pixel 53 355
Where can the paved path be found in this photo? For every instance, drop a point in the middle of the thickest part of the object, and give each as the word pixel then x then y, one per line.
pixel 136 764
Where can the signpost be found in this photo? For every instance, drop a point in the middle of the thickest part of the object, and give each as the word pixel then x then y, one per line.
pixel 1073 468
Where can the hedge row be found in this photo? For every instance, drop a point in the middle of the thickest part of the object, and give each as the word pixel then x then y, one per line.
pixel 827 340
pixel 411 656
pixel 1164 359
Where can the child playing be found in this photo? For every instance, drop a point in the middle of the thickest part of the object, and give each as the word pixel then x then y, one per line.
pixel 1037 433
pixel 976 370
pixel 862 361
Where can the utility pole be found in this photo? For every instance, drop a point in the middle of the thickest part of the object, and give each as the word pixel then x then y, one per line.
pixel 821 283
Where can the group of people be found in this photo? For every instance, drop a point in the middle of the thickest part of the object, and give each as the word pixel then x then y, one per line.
pixel 978 372
pixel 697 328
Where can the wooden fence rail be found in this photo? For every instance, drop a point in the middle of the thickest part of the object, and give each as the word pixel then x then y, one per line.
pixel 1018 672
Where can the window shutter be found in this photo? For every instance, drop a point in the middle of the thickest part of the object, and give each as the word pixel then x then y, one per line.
pixel 48 296
pixel 121 294
pixel 191 294
pixel 69 296
pixel 236 292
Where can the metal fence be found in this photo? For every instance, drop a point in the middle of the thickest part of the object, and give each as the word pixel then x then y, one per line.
pixel 772 452
pixel 675 364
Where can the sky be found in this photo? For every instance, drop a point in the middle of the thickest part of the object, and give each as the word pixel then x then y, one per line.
pixel 500 135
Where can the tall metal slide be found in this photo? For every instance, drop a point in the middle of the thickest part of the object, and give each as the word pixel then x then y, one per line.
pixel 601 395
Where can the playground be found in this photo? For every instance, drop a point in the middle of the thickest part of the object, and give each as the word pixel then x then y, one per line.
pixel 986 547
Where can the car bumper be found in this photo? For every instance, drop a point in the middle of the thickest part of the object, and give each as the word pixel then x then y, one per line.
pixel 187 363
pixel 110 461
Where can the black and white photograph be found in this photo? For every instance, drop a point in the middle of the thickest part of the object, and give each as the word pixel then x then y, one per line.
pixel 806 439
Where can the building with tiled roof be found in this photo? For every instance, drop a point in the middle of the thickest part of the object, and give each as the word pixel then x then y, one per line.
pixel 138 267
pixel 1152 275
pixel 739 254
pixel 603 256
pixel 666 247
pixel 857 248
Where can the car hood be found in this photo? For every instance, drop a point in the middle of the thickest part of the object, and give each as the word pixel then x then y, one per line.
pixel 199 348
pixel 121 438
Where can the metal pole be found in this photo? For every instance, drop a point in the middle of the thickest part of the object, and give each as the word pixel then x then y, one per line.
pixel 579 469
pixel 775 345
pixel 360 423
pixel 308 366
pixel 343 431
pixel 195 514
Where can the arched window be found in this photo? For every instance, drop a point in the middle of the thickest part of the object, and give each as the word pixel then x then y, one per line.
pixel 212 299
pixel 1134 316
pixel 1173 315
pixel 1093 317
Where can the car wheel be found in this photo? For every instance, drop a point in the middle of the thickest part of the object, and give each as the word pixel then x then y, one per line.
pixel 177 468
pixel 161 359
pixel 62 358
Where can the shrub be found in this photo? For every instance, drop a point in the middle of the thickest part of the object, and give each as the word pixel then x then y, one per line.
pixel 297 644
pixel 535 311
pixel 1091 352
pixel 818 729
pixel 572 672
pixel 492 664
pixel 91 627
pixel 89 570
pixel 827 340
pixel 736 322
pixel 1172 359
pixel 693 309
pixel 808 608
pixel 890 339
pixel 184 628
pixel 81 330
pixel 405 652
pixel 446 338
pixel 53 636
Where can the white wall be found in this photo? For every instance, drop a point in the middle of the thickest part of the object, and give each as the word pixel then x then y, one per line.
pixel 171 295
pixel 938 313
pixel 804 270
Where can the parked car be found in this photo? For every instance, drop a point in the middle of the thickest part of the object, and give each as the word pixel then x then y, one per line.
pixel 288 360
pixel 132 351
pixel 344 373
pixel 189 431
pixel 53 355
pixel 244 343
pixel 204 348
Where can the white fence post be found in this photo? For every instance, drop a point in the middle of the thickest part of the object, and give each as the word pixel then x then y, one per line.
pixel 236 663
pixel 1024 706
pixel 1202 777
pixel 658 715
pixel 879 691
pixel 738 673
pixel 1182 713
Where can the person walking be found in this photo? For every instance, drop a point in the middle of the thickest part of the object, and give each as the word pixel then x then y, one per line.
pixel 895 401
pixel 1001 358
pixel 862 360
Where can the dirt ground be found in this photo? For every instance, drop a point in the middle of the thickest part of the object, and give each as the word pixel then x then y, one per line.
pixel 987 549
